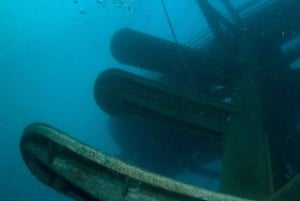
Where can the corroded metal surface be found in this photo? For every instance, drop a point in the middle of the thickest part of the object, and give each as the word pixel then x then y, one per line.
pixel 84 173
pixel 124 94
pixel 249 160
pixel 252 166
pixel 247 167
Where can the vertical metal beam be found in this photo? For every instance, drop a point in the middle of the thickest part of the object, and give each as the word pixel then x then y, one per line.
pixel 246 160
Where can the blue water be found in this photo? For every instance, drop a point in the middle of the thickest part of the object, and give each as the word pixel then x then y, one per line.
pixel 50 55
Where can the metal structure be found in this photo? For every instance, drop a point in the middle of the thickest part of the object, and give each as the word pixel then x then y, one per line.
pixel 245 55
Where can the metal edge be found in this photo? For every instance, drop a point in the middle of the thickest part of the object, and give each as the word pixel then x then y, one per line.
pixel 52 135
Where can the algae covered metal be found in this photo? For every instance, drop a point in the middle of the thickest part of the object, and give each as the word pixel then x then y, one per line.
pixel 84 173
pixel 245 58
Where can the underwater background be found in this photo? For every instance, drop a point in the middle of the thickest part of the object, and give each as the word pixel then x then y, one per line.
pixel 51 53
pixel 50 56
